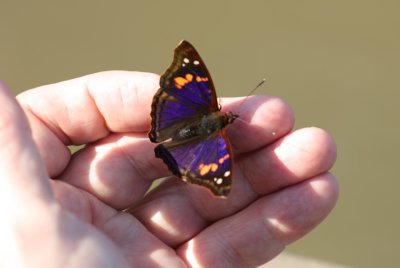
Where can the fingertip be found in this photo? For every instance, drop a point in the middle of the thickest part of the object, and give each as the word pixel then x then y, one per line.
pixel 11 116
pixel 299 156
pixel 326 188
pixel 262 119
pixel 310 147
pixel 276 114
pixel 319 143
pixel 5 91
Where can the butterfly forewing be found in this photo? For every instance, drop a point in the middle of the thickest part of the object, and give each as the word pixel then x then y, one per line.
pixel 186 93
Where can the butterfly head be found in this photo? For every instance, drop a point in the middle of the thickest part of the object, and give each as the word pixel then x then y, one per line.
pixel 231 117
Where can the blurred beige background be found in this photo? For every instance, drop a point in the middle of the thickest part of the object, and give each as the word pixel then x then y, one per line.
pixel 336 62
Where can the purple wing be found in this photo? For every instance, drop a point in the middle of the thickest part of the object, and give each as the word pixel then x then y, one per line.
pixel 206 162
pixel 186 94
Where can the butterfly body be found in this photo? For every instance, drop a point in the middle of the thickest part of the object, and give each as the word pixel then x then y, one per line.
pixel 202 128
pixel 188 124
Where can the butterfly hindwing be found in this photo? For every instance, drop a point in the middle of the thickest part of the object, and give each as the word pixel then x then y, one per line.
pixel 186 93
pixel 205 162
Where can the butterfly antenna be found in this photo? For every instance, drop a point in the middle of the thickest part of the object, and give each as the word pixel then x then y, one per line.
pixel 251 92
pixel 259 84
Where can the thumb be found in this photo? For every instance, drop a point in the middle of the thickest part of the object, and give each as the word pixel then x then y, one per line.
pixel 23 178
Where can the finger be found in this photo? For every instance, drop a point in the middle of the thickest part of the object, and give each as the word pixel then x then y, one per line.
pixel 296 157
pixel 27 204
pixel 86 109
pixel 308 152
pixel 270 224
pixel 20 163
pixel 262 120
pixel 133 163
pixel 118 169
pixel 123 229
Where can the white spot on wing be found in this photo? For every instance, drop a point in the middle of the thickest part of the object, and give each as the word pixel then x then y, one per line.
pixel 196 62
pixel 227 173
pixel 218 180
pixel 186 60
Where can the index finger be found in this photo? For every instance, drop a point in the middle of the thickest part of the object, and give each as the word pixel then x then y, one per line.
pixel 85 109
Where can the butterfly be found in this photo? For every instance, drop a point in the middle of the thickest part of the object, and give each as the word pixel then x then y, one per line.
pixel 189 126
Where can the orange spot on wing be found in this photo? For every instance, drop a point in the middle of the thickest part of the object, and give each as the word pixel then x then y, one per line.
pixel 201 79
pixel 180 82
pixel 189 78
pixel 214 167
pixel 204 169
pixel 222 159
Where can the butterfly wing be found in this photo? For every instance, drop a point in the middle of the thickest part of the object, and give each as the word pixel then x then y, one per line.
pixel 205 162
pixel 186 93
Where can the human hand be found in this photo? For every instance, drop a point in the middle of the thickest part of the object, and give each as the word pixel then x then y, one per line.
pixel 281 185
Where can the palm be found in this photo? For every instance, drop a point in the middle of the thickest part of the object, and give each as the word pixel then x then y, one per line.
pixel 178 223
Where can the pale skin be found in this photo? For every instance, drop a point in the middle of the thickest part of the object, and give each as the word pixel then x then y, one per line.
pixel 282 187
